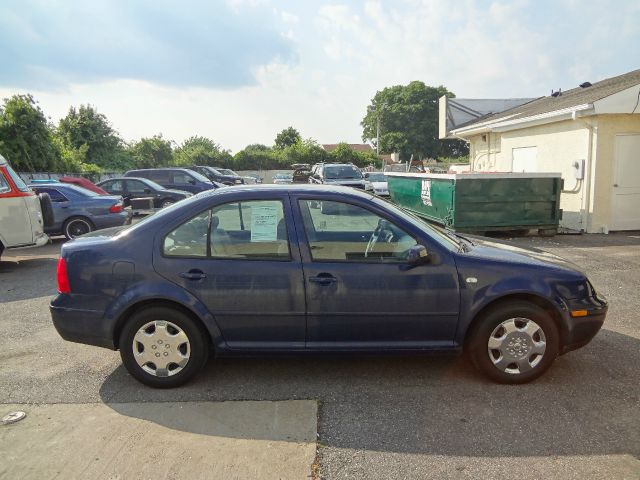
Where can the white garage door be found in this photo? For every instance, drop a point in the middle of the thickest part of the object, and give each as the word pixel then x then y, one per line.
pixel 525 159
pixel 625 213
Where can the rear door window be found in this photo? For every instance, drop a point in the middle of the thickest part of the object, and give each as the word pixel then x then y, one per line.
pixel 252 230
pixel 56 195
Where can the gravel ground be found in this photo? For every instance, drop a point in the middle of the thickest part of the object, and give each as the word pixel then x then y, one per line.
pixel 384 417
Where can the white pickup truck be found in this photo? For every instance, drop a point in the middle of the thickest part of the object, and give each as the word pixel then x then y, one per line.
pixel 23 214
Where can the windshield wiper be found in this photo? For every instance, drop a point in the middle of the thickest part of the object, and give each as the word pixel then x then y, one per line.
pixel 464 238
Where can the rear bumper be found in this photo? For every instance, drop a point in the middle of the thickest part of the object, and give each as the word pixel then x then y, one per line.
pixel 81 326
pixel 113 219
pixel 583 329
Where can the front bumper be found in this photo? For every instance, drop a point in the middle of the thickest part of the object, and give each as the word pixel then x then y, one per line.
pixel 581 330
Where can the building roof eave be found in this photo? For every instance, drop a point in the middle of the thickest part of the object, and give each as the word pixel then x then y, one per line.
pixel 503 125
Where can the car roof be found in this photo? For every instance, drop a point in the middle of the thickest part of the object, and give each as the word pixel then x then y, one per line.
pixel 302 188
pixel 125 178
pixel 156 169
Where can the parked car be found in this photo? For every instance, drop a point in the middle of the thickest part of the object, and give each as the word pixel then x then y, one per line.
pixel 23 214
pixel 345 174
pixel 254 270
pixel 175 179
pixel 77 211
pixel 282 178
pixel 252 178
pixel 231 173
pixel 378 183
pixel 215 175
pixel 132 188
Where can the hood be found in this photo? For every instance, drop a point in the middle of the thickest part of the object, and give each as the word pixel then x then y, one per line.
pixel 490 249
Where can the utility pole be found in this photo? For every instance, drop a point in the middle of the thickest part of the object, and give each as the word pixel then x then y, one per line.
pixel 379 111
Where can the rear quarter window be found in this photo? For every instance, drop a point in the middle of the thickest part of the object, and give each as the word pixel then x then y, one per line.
pixel 4 185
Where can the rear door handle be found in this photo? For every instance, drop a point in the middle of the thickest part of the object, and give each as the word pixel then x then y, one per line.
pixel 194 275
pixel 323 279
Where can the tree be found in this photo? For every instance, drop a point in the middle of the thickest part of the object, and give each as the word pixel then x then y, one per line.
pixel 343 153
pixel 408 120
pixel 287 137
pixel 198 150
pixel 85 126
pixel 25 135
pixel 256 157
pixel 303 151
pixel 152 152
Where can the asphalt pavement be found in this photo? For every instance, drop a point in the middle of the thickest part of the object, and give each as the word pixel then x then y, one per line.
pixel 382 417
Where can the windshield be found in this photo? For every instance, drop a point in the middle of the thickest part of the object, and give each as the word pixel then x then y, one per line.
pixel 82 191
pixel 199 177
pixel 152 184
pixel 336 172
pixel 20 185
pixel 377 177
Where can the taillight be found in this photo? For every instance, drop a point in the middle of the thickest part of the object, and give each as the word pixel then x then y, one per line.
pixel 117 208
pixel 63 278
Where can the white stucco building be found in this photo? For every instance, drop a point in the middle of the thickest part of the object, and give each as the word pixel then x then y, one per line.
pixel 590 134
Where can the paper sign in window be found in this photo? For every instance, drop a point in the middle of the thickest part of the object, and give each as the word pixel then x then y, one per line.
pixel 264 223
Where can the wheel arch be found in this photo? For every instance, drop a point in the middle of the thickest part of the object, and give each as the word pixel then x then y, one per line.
pixel 154 302
pixel 532 298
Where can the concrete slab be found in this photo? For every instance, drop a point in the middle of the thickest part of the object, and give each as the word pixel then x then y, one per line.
pixel 195 440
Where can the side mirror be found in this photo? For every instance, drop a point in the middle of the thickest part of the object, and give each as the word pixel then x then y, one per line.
pixel 192 181
pixel 417 255
pixel 147 190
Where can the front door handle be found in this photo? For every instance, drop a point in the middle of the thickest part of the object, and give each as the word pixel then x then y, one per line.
pixel 323 279
pixel 194 275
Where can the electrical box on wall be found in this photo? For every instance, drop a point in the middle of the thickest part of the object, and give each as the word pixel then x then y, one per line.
pixel 578 166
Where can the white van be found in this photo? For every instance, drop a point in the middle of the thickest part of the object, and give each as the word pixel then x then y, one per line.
pixel 21 218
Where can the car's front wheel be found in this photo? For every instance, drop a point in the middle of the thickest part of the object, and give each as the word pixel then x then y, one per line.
pixel 162 347
pixel 515 342
pixel 167 203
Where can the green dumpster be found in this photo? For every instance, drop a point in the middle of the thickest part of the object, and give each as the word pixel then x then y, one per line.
pixel 480 202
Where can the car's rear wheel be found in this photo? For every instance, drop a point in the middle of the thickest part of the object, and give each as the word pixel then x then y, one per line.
pixel 162 347
pixel 515 342
pixel 76 226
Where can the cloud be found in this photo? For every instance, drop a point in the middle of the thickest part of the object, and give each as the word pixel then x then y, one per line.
pixel 49 45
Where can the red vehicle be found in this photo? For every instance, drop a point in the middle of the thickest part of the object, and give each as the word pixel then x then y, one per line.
pixel 84 183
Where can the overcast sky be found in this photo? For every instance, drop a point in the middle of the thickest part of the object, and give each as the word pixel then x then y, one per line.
pixel 239 71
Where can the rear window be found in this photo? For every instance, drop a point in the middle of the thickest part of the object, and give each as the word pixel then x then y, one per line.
pixel 20 185
pixel 342 172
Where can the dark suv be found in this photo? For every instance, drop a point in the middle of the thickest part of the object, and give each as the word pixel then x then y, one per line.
pixel 216 175
pixel 175 178
pixel 345 174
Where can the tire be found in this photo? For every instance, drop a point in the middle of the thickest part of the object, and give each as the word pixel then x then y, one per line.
pixel 47 209
pixel 167 202
pixel 75 226
pixel 178 326
pixel 532 347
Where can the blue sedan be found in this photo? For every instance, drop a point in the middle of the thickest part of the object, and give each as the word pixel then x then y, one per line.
pixel 77 211
pixel 257 270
